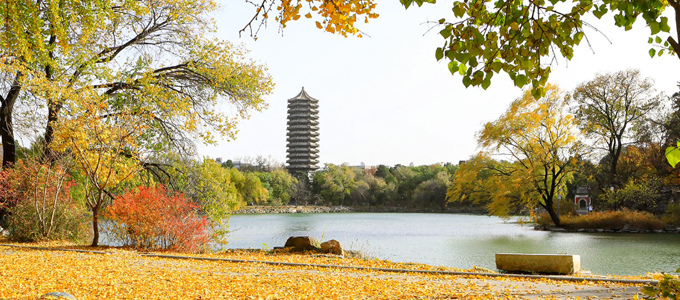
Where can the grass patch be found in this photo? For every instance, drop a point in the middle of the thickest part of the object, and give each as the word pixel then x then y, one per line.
pixel 609 220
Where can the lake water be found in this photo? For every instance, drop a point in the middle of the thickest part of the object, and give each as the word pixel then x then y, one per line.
pixel 459 240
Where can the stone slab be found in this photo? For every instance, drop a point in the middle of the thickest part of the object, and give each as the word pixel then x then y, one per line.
pixel 539 263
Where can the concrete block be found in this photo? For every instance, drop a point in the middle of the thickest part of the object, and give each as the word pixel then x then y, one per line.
pixel 539 263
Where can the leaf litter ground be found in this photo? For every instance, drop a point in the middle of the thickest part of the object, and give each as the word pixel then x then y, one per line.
pixel 127 274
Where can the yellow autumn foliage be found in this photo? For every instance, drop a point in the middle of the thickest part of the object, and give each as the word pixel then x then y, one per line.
pixel 540 144
pixel 121 274
pixel 337 17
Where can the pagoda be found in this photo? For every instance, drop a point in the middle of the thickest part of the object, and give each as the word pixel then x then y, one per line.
pixel 303 135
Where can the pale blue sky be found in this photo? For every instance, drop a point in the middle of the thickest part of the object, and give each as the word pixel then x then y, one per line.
pixel 384 99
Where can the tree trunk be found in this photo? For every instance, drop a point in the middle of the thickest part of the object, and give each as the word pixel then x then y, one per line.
pixel 553 215
pixel 53 114
pixel 615 162
pixel 7 134
pixel 95 227
pixel 6 126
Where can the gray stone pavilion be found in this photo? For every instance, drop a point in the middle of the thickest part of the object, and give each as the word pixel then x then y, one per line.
pixel 303 135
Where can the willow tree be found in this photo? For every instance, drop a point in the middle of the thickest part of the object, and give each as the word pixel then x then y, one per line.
pixel 540 140
pixel 497 185
pixel 218 191
pixel 335 183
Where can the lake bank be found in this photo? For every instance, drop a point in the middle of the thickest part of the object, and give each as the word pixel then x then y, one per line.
pixel 291 209
pixel 315 209
pixel 624 229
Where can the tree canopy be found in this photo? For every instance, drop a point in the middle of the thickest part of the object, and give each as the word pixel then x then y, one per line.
pixel 150 59
pixel 609 107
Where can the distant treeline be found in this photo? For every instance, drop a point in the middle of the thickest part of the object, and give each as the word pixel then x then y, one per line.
pixel 406 187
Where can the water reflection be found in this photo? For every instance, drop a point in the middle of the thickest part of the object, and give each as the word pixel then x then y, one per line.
pixel 460 241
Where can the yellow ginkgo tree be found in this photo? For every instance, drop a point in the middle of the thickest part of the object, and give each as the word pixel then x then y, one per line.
pixel 105 148
pixel 540 143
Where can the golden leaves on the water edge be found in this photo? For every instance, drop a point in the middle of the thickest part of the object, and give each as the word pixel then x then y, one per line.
pixel 123 274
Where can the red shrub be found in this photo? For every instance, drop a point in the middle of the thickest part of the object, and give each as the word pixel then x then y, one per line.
pixel 8 188
pixel 152 218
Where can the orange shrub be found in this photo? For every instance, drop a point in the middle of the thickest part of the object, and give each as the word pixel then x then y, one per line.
pixel 152 218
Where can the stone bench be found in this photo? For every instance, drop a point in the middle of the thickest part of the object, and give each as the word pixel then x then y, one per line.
pixel 539 263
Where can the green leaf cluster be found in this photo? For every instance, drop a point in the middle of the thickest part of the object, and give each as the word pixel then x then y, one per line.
pixel 673 155
pixel 280 185
pixel 523 38
pixel 668 288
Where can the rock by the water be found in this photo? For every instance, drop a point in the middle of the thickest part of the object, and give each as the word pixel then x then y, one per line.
pixel 333 247
pixel 301 243
pixel 57 295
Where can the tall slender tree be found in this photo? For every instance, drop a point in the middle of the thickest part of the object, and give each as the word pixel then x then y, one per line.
pixel 609 107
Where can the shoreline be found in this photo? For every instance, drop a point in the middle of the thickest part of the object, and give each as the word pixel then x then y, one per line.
pixel 315 209
pixel 552 228
pixel 311 209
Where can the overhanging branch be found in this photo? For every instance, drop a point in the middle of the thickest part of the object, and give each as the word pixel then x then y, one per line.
pixel 671 40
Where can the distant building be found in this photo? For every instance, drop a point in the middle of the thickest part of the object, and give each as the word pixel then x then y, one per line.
pixel 238 165
pixel 303 134
pixel 582 198
pixel 361 166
